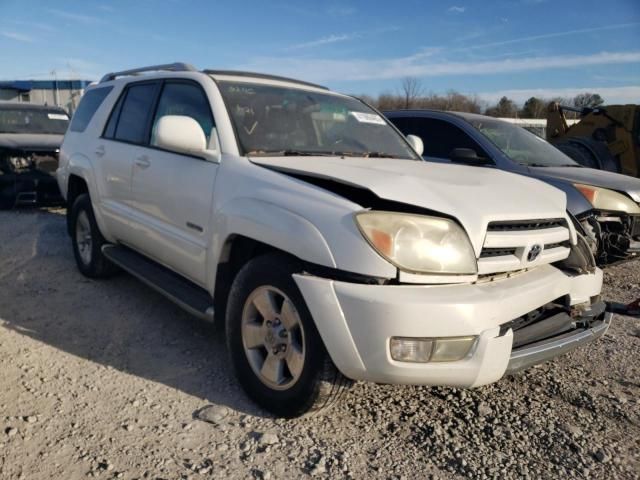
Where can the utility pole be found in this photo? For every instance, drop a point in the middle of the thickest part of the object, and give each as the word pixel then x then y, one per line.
pixel 55 87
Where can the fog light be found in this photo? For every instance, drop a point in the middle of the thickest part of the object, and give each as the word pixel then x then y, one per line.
pixel 452 349
pixel 423 350
pixel 411 349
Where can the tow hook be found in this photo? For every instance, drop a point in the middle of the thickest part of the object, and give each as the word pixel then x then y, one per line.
pixel 631 310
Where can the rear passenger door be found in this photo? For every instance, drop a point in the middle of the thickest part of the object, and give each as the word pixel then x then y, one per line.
pixel 123 142
pixel 172 192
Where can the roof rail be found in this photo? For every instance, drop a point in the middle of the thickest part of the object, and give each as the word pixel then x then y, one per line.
pixel 171 67
pixel 265 76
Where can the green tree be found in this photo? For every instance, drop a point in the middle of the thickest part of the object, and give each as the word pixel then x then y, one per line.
pixel 504 108
pixel 534 108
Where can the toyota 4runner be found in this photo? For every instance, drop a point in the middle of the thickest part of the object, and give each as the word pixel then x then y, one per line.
pixel 308 226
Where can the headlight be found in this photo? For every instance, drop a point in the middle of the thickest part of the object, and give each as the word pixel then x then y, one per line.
pixel 417 243
pixel 605 199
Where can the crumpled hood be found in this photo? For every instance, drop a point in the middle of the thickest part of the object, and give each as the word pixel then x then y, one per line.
pixel 591 176
pixel 475 196
pixel 30 141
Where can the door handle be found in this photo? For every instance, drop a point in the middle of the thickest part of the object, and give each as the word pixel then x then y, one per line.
pixel 100 151
pixel 143 161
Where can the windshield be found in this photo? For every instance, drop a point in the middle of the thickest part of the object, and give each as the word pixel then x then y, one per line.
pixel 521 145
pixel 272 121
pixel 26 120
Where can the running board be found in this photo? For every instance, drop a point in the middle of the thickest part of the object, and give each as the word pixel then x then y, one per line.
pixel 179 290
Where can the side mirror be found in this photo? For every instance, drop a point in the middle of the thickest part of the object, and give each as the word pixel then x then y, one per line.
pixel 416 143
pixel 182 134
pixel 467 155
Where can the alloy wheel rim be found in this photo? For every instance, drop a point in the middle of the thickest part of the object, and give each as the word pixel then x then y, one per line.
pixel 83 238
pixel 273 337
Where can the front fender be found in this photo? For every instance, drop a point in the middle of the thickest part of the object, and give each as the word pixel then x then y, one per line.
pixel 274 225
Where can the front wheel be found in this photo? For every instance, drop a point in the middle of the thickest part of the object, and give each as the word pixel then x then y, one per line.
pixel 275 348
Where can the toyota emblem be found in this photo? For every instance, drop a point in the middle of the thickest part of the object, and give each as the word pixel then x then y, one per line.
pixel 534 253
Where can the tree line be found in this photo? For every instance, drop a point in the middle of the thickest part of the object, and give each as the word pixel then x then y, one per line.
pixel 411 94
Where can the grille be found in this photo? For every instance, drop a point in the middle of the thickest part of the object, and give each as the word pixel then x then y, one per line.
pixel 509 226
pixel 497 252
pixel 508 245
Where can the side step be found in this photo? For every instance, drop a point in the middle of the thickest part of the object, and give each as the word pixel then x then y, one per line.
pixel 179 290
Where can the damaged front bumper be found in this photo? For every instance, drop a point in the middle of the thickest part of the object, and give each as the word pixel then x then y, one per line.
pixel 28 178
pixel 357 322
pixel 592 324
pixel 614 236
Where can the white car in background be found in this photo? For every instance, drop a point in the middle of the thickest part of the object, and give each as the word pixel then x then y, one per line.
pixel 310 227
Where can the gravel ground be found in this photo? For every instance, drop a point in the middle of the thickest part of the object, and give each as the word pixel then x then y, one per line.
pixel 109 380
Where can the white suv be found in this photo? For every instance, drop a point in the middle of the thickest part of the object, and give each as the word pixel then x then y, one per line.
pixel 310 227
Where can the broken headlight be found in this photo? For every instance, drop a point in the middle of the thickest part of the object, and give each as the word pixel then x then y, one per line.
pixel 419 243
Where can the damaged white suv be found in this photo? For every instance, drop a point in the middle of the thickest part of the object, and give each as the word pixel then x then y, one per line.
pixel 306 224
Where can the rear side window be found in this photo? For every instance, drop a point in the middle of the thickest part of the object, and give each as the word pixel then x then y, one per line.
pixel 134 116
pixel 87 108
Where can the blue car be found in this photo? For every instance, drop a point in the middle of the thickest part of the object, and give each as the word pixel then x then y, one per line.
pixel 606 205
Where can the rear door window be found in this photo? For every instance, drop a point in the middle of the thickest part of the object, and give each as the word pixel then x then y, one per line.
pixel 137 106
pixel 89 104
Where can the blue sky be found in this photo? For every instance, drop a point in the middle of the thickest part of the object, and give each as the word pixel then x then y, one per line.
pixel 518 48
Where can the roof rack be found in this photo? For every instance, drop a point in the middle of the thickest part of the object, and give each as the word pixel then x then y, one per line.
pixel 262 75
pixel 171 67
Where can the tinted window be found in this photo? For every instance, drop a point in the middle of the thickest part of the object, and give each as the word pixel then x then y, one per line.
pixel 110 130
pixel 134 116
pixel 188 100
pixel 32 120
pixel 439 137
pixel 88 106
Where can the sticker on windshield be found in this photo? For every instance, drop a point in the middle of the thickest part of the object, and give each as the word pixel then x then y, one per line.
pixel 57 116
pixel 368 118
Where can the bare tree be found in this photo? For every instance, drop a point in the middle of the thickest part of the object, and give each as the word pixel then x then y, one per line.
pixel 589 100
pixel 411 91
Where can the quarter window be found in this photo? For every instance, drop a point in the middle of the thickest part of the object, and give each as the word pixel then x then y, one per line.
pixel 90 102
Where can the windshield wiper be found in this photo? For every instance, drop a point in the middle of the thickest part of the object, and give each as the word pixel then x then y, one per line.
pixel 550 165
pixel 288 153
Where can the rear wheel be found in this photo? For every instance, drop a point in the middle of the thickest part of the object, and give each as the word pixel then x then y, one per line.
pixel 275 348
pixel 87 240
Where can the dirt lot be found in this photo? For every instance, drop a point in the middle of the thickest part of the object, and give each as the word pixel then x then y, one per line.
pixel 109 380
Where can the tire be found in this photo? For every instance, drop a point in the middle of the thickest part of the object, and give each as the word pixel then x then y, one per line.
pixel 88 241
pixel 299 377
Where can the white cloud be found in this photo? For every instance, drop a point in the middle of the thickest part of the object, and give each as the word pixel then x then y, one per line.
pixel 422 65
pixel 76 17
pixel 343 37
pixel 456 9
pixel 611 95
pixel 556 34
pixel 20 37
pixel 341 10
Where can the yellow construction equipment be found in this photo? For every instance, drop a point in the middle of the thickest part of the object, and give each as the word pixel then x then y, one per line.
pixel 606 138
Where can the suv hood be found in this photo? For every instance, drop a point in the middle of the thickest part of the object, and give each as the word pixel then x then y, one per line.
pixel 30 141
pixel 474 196
pixel 591 176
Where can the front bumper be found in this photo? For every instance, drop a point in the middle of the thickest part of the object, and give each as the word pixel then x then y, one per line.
pixel 357 321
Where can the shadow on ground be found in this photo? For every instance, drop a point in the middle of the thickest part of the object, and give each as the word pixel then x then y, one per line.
pixel 117 322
